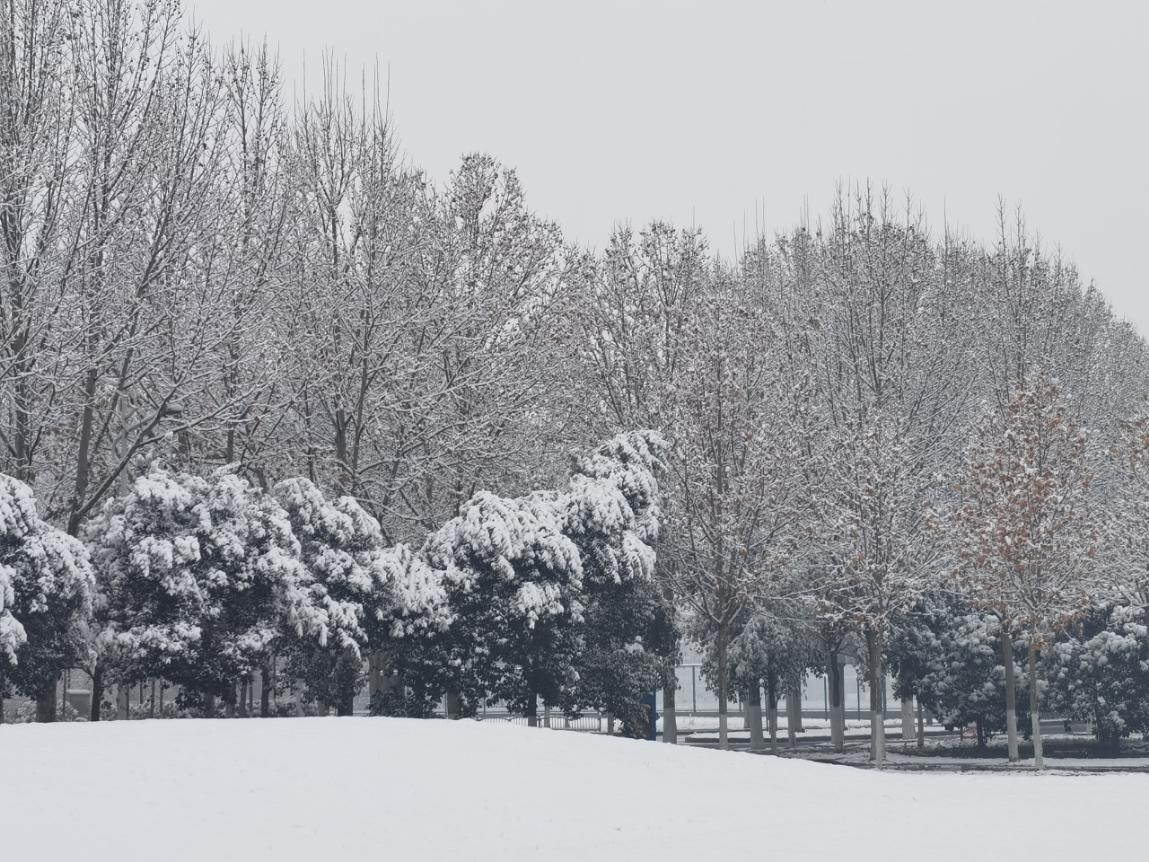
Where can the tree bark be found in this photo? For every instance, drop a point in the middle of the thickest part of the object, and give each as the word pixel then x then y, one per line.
pixel 772 710
pixel 723 691
pixel 837 702
pixel 346 704
pixel 877 717
pixel 669 717
pixel 670 690
pixel 908 719
pixel 264 692
pixel 533 710
pixel 754 717
pixel 1034 709
pixel 46 704
pixel 1010 695
pixel 921 725
pixel 794 699
pixel 97 692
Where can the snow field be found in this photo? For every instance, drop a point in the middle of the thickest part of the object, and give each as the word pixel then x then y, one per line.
pixel 395 789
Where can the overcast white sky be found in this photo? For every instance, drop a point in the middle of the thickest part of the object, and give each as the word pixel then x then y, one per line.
pixel 711 111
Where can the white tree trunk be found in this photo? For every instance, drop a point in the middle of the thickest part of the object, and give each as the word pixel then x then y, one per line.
pixel 1010 695
pixel 723 692
pixel 877 715
pixel 1034 709
pixel 921 726
pixel 796 696
pixel 793 717
pixel 908 719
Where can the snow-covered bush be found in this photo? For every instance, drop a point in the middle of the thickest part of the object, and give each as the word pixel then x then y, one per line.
pixel 949 656
pixel 372 594
pixel 1100 672
pixel 46 589
pixel 201 582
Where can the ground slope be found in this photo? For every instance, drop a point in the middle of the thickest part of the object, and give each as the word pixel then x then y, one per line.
pixel 362 789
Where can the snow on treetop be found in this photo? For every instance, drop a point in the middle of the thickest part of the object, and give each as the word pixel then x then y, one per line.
pixel 507 535
pixel 355 576
pixel 631 461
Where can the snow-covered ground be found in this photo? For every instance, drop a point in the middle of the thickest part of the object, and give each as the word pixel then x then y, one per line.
pixel 368 788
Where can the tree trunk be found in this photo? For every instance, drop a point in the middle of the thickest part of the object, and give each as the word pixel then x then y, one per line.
pixel 794 697
pixel 877 717
pixel 46 704
pixel 754 717
pixel 532 710
pixel 907 719
pixel 670 690
pixel 454 705
pixel 723 691
pixel 837 702
pixel 346 704
pixel 1034 708
pixel 264 692
pixel 793 712
pixel 123 708
pixel 772 710
pixel 97 692
pixel 669 718
pixel 243 697
pixel 1010 695
pixel 921 725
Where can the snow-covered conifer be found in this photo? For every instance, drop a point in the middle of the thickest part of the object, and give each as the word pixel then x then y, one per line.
pixel 610 511
pixel 371 594
pixel 514 581
pixel 201 582
pixel 46 589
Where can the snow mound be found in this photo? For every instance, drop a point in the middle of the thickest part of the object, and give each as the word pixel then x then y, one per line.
pixel 370 788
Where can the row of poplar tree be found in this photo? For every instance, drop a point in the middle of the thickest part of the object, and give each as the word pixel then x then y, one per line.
pixel 866 421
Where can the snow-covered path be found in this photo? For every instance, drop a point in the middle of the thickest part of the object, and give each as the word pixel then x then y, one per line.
pixel 366 788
